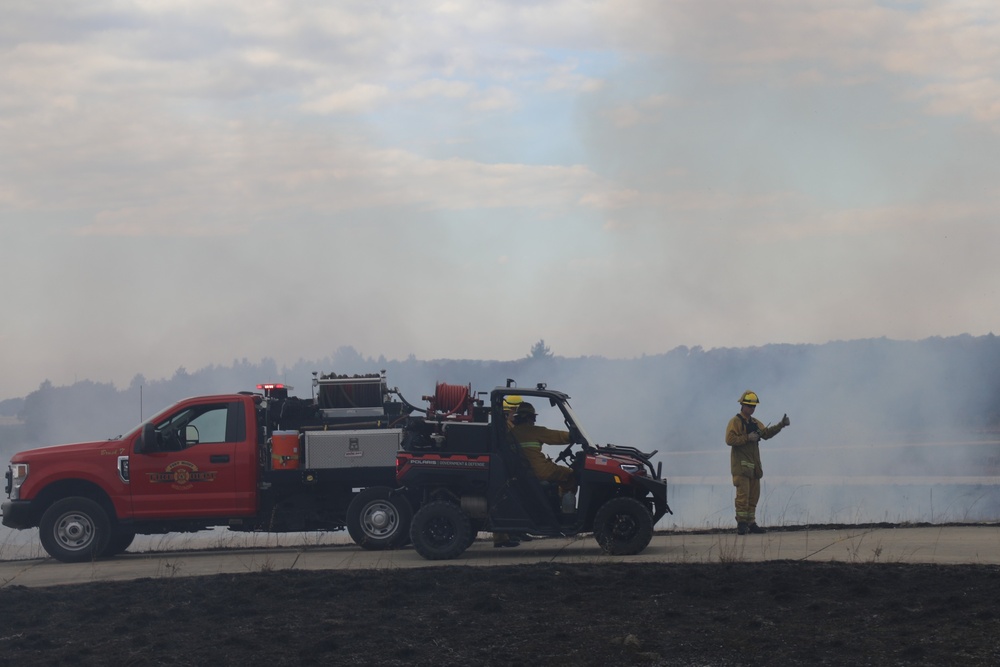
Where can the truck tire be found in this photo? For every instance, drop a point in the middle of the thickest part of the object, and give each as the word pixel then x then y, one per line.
pixel 440 531
pixel 379 518
pixel 121 539
pixel 623 526
pixel 74 530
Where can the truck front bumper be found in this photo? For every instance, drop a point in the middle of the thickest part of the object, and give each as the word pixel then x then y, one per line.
pixel 19 514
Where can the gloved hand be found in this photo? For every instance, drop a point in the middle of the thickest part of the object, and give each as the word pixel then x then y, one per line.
pixel 785 421
pixel 753 437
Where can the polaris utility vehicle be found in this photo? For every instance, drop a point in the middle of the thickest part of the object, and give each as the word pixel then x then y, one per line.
pixel 469 476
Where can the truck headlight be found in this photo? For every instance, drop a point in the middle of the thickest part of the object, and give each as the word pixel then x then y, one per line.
pixel 18 472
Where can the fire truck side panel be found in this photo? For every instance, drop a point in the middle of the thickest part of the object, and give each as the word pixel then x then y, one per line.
pixel 352 449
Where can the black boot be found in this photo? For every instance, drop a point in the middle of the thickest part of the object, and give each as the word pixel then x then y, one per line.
pixel 741 528
pixel 757 530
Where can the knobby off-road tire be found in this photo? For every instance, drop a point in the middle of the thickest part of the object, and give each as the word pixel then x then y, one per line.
pixel 121 539
pixel 378 519
pixel 75 530
pixel 440 531
pixel 623 526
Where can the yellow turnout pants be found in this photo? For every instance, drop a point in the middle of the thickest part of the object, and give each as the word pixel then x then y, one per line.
pixel 747 495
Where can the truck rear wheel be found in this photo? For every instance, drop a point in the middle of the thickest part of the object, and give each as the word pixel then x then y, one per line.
pixel 74 530
pixel 379 518
pixel 440 531
pixel 623 526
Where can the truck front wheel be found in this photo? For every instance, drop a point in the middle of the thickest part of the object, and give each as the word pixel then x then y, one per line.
pixel 378 518
pixel 623 526
pixel 440 531
pixel 121 539
pixel 74 530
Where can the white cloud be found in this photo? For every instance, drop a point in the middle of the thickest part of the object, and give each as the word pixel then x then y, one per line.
pixel 568 77
pixel 494 99
pixel 610 199
pixel 358 99
pixel 440 88
pixel 647 148
pixel 979 99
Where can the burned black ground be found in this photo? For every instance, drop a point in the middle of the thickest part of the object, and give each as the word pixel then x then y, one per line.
pixel 772 613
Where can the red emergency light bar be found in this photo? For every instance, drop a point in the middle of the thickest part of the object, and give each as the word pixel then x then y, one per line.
pixel 274 385
pixel 275 390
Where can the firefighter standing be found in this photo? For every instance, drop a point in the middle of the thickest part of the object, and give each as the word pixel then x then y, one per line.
pixel 531 438
pixel 743 435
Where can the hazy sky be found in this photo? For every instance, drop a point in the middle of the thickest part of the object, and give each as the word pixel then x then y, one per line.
pixel 189 182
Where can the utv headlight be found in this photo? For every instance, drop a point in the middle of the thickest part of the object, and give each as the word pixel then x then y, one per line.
pixel 630 468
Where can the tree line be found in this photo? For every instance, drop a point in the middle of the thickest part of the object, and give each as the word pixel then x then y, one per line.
pixel 679 399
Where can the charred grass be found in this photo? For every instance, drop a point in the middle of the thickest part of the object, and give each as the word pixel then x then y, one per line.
pixel 730 613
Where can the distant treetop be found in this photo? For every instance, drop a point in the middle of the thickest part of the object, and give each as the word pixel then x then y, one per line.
pixel 540 351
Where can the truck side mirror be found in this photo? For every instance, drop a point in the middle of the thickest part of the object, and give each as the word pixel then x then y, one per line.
pixel 147 440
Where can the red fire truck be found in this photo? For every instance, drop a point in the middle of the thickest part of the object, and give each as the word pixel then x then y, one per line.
pixel 262 461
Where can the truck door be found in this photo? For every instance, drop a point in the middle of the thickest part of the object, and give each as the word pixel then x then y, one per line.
pixel 192 467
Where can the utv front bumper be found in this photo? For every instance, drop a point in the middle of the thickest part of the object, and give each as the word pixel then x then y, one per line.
pixel 657 488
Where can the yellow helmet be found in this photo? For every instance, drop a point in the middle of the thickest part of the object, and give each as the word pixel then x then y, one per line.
pixel 749 398
pixel 510 403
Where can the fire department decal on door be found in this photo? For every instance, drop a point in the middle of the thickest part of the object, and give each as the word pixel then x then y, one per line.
pixel 181 475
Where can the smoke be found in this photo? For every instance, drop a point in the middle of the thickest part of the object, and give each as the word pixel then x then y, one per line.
pixel 881 430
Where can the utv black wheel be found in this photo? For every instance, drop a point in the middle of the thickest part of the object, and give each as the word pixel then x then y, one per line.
pixel 623 526
pixel 121 539
pixel 378 519
pixel 74 530
pixel 440 531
